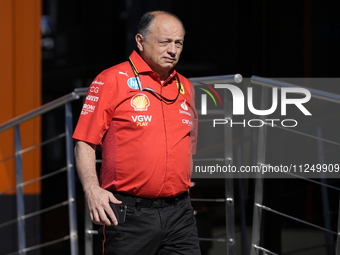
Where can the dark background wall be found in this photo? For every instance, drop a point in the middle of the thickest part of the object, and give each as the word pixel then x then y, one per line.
pixel 265 38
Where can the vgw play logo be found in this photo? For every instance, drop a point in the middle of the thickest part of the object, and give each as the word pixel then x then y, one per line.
pixel 239 105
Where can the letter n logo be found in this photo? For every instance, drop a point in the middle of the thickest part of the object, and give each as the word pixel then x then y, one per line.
pixel 204 98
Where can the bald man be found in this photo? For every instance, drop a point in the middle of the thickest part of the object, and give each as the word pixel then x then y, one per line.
pixel 142 114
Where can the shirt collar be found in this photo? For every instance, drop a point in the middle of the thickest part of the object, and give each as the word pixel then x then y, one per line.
pixel 142 67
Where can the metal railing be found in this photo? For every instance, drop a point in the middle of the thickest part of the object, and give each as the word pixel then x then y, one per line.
pixel 261 159
pixel 69 169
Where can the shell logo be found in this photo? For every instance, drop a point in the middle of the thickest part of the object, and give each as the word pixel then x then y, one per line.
pixel 140 102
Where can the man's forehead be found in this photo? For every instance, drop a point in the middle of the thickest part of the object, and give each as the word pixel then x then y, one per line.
pixel 167 23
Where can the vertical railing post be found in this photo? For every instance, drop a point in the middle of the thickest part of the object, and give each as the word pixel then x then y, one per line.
pixel 242 204
pixel 261 156
pixel 20 192
pixel 337 249
pixel 324 194
pixel 88 232
pixel 71 180
pixel 229 181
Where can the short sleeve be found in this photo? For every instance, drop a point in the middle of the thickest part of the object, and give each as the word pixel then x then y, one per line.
pixel 97 111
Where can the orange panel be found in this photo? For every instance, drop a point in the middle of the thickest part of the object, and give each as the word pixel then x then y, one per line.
pixel 20 71
pixel 27 80
pixel 7 178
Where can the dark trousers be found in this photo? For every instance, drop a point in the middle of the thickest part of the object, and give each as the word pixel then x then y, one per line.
pixel 153 231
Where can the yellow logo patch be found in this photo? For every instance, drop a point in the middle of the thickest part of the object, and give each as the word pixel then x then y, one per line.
pixel 182 88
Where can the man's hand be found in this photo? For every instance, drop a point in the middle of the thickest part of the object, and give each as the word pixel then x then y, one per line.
pixel 98 202
pixel 97 198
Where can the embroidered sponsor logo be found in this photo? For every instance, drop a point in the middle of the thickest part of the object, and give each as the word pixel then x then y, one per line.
pixel 94 89
pixel 92 98
pixel 183 112
pixel 124 73
pixel 142 120
pixel 182 88
pixel 187 122
pixel 98 82
pixel 184 105
pixel 88 108
pixel 185 108
pixel 140 102
pixel 132 82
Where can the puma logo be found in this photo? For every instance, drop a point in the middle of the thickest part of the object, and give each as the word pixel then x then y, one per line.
pixel 124 73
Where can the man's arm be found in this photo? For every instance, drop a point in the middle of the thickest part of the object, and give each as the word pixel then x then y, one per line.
pixel 97 198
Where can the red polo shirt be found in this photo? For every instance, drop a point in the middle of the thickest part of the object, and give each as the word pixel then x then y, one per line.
pixel 146 142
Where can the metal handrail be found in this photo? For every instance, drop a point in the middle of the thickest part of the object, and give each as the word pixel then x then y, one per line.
pixel 34 147
pixel 35 180
pixel 208 199
pixel 41 110
pixel 326 96
pixel 35 247
pixel 81 91
pixel 303 134
pixel 216 79
pixel 294 218
pixel 264 250
pixel 4 224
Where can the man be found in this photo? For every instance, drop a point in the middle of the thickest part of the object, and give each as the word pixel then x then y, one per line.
pixel 142 114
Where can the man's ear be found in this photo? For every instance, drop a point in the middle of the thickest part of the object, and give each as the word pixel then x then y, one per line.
pixel 139 41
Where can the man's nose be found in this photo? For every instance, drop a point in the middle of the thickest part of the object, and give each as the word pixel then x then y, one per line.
pixel 172 49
